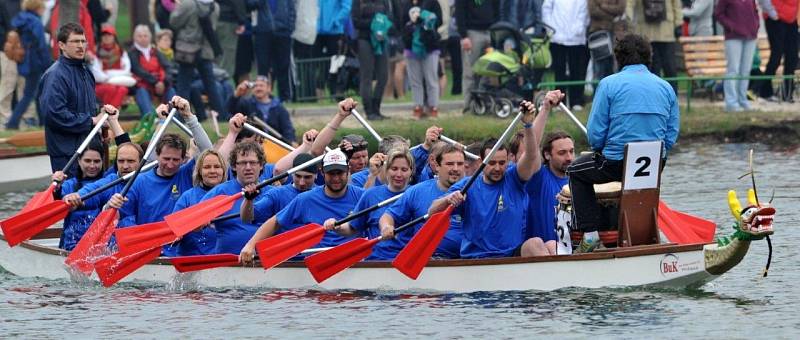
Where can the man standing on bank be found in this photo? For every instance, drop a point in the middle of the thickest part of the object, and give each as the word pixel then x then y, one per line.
pixel 633 105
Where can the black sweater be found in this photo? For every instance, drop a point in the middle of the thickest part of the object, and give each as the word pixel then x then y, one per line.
pixel 470 16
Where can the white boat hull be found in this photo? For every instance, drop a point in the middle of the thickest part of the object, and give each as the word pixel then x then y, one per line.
pixel 24 173
pixel 664 266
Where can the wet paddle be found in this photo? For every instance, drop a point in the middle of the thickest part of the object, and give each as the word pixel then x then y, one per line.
pixel 679 227
pixel 118 265
pixel 25 225
pixel 325 264
pixel 180 223
pixel 43 197
pixel 279 248
pixel 413 258
pixel 193 263
pixel 99 233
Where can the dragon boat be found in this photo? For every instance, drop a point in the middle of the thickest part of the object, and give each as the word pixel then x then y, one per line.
pixel 667 265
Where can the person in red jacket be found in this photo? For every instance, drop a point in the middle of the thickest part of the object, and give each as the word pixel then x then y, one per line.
pixel 150 68
pixel 782 36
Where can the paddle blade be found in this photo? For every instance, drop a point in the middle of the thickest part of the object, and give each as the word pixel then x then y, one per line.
pixel 328 263
pixel 23 226
pixel 93 242
pixel 142 237
pixel 117 266
pixel 199 262
pixel 413 258
pixel 683 228
pixel 184 221
pixel 39 199
pixel 279 248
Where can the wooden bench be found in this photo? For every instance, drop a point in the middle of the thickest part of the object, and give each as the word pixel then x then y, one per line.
pixel 705 56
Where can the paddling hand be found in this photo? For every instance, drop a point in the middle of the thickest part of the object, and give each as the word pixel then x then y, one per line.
pixel 330 224
pixel 551 99
pixel 387 232
pixel 309 137
pixel 455 199
pixel 74 200
pixel 375 163
pixel 236 123
pixel 182 105
pixel 529 111
pixel 117 201
pixel 162 111
pixel 250 191
pixel 346 106
pixel 110 109
pixel 431 136
pixel 59 176
pixel 247 254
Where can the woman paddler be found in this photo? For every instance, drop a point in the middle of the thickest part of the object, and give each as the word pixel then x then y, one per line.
pixel 90 169
pixel 398 168
pixel 210 170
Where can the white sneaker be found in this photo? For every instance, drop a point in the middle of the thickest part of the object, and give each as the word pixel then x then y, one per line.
pixel 577 108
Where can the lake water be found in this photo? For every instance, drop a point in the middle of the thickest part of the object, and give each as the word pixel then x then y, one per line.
pixel 740 304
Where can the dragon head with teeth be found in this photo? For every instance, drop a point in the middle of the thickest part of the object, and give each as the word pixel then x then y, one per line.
pixel 756 218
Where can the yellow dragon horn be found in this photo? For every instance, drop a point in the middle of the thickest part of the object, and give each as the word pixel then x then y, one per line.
pixel 735 205
pixel 751 197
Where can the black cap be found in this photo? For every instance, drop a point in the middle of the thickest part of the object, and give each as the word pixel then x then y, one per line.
pixel 302 158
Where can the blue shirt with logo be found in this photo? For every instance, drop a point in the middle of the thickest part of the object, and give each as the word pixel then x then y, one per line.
pixel 314 206
pixel 232 234
pixel 542 204
pixel 493 216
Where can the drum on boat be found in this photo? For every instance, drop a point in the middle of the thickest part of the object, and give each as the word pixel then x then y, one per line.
pixel 608 195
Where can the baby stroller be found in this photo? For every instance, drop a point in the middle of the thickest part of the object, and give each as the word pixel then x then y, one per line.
pixel 508 67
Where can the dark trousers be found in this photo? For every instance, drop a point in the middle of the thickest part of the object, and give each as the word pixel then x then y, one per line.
pixel 206 70
pixel 584 173
pixel 664 60
pixel 272 54
pixel 782 44
pixel 577 58
pixel 371 67
pixel 453 48
pixel 29 95
pixel 244 57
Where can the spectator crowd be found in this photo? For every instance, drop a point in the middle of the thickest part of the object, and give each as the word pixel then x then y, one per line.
pixel 229 55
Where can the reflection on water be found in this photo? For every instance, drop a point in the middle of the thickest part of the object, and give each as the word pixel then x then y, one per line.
pixel 739 304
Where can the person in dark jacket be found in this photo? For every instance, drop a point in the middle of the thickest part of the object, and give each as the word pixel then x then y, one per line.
pixel 782 36
pixel 67 99
pixel 272 40
pixel 473 19
pixel 232 17
pixel 151 70
pixel 28 23
pixel 263 105
pixel 372 53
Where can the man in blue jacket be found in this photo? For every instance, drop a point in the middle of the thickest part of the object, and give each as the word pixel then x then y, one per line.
pixel 272 39
pixel 67 101
pixel 632 105
pixel 262 104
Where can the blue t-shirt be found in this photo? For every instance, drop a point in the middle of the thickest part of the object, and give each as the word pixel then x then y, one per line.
pixel 197 242
pixel 273 201
pixel 232 234
pixel 542 204
pixel 360 178
pixel 493 216
pixel 367 225
pixel 78 221
pixel 102 197
pixel 314 206
pixel 415 203
pixel 152 197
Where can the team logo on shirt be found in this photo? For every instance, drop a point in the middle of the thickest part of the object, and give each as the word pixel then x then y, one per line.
pixel 500 205
pixel 456 218
pixel 175 192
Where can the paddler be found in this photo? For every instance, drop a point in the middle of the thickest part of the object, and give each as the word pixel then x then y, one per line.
pixel 278 198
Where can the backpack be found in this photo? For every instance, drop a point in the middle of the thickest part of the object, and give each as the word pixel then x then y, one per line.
pixel 655 11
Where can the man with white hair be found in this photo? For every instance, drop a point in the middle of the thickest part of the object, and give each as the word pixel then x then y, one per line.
pixel 150 68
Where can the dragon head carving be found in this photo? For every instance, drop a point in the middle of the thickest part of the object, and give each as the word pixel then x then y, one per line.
pixel 754 220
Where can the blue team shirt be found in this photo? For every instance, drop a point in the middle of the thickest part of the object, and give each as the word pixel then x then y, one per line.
pixel 78 221
pixel 542 204
pixel 105 195
pixel 367 225
pixel 493 216
pixel 273 201
pixel 152 197
pixel 232 234
pixel 197 242
pixel 360 178
pixel 314 206
pixel 415 203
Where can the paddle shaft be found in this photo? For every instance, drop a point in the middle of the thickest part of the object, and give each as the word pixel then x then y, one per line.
pixel 182 126
pixel 491 153
pixel 358 214
pixel 573 118
pixel 448 140
pixel 86 142
pixel 268 136
pixel 270 129
pixel 289 172
pixel 150 149
pixel 116 181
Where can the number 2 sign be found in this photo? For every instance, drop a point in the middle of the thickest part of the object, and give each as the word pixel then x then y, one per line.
pixel 642 160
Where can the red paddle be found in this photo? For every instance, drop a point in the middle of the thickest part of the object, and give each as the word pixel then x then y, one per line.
pixel 117 266
pixel 683 228
pixel 180 223
pixel 330 262
pixel 413 258
pixel 40 198
pixel 186 264
pixel 279 248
